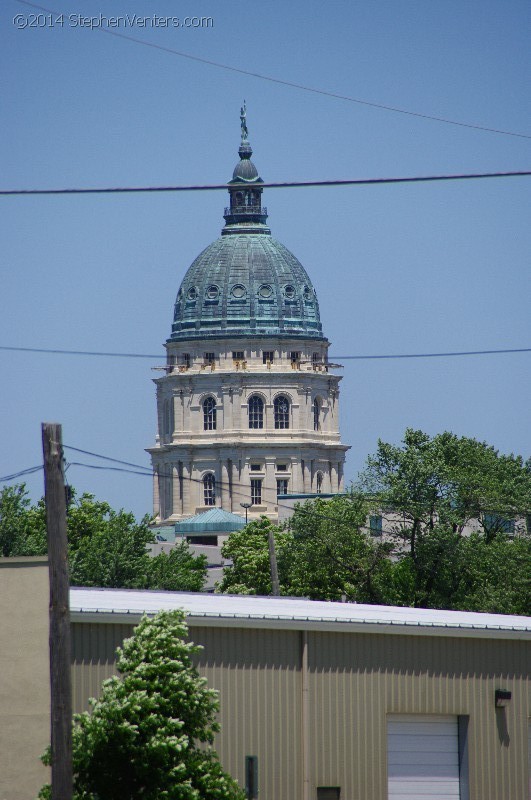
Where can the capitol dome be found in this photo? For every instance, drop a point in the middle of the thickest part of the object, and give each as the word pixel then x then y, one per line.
pixel 246 283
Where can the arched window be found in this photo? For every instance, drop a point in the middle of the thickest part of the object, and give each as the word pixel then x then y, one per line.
pixel 281 408
pixel 209 489
pixel 319 482
pixel 256 411
pixel 209 414
pixel 316 415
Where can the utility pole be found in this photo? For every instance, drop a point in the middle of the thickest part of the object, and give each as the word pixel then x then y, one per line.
pixel 275 587
pixel 60 679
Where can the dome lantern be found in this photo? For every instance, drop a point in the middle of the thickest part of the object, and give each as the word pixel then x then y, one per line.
pixel 245 191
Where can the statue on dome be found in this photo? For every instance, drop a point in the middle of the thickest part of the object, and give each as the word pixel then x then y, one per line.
pixel 243 122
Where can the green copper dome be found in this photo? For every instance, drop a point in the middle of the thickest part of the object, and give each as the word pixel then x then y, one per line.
pixel 246 283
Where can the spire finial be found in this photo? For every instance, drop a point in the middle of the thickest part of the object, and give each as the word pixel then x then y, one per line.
pixel 243 123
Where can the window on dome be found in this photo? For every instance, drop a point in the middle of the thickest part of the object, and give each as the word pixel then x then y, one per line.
pixel 209 414
pixel 186 360
pixel 192 293
pixel 281 411
pixel 212 293
pixel 265 291
pixel 238 291
pixel 289 292
pixel 238 355
pixel 256 411
pixel 209 489
pixel 295 357
pixel 307 293
pixel 268 356
pixel 209 359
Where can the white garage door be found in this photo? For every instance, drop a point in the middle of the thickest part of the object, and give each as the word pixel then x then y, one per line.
pixel 422 757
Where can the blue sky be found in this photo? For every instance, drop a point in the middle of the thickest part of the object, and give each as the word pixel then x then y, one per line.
pixel 398 269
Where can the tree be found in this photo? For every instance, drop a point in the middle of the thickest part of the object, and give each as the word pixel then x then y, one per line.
pixel 430 489
pixel 248 550
pixel 179 570
pixel 324 554
pixel 333 557
pixel 149 735
pixel 106 548
pixel 14 504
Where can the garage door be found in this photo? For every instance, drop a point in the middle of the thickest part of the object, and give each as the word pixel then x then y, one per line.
pixel 422 757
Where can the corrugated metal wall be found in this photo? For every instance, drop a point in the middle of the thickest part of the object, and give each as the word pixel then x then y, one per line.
pixel 355 680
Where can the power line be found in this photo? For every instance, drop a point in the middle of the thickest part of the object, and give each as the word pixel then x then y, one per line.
pixel 292 84
pixel 440 355
pixel 110 469
pixel 282 185
pixel 105 458
pixel 15 475
pixel 160 356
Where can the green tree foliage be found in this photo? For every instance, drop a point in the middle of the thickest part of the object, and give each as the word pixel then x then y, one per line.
pixel 248 550
pixel 149 735
pixel 324 555
pixel 106 548
pixel 332 555
pixel 429 489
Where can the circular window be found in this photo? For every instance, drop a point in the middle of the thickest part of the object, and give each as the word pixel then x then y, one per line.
pixel 265 291
pixel 192 293
pixel 212 292
pixel 307 293
pixel 238 291
pixel 289 292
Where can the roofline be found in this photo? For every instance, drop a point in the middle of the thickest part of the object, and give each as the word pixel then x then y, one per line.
pixel 213 620
pixel 299 620
pixel 217 334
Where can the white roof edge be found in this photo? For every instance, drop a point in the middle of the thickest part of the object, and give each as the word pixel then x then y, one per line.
pixel 128 606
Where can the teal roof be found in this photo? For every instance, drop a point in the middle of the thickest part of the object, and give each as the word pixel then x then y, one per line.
pixel 215 520
pixel 165 533
pixel 246 283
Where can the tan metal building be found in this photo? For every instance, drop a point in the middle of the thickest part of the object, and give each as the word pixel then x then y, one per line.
pixel 24 676
pixel 342 700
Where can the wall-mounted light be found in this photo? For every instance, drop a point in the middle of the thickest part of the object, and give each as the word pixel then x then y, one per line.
pixel 502 698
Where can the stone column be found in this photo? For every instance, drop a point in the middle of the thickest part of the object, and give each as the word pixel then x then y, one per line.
pixel 334 478
pixel 187 488
pixel 226 399
pixel 224 474
pixel 269 495
pixel 306 478
pixel 156 496
pixel 175 494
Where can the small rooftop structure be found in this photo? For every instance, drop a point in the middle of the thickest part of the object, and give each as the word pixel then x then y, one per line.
pixel 215 521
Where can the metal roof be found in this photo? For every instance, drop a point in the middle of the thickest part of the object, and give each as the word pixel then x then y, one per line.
pixel 246 283
pixel 215 520
pixel 122 605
